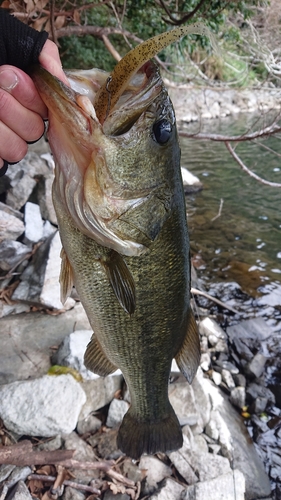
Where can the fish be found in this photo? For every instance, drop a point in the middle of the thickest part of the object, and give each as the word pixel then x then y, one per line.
pixel 121 214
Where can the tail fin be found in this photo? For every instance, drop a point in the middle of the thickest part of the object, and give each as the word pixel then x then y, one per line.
pixel 136 437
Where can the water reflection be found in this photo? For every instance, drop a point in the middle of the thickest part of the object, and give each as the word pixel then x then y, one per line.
pixel 243 244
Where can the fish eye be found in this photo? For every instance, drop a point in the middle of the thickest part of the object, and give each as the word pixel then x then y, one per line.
pixel 162 131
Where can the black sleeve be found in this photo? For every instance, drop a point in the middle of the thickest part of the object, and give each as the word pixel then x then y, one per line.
pixel 20 45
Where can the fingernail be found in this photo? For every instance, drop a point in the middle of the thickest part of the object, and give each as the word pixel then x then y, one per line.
pixel 8 79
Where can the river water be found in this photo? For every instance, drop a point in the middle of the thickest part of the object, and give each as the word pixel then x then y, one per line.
pixel 238 255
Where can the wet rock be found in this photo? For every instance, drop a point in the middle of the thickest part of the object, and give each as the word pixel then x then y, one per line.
pixel 155 471
pixel 191 183
pixel 99 392
pixel 169 490
pixel 43 407
pixel 33 223
pixel 238 397
pixel 90 424
pixel 117 409
pixel 227 487
pixel 25 352
pixel 11 227
pixel 40 280
pixel 256 365
pixel 20 492
pixel 12 253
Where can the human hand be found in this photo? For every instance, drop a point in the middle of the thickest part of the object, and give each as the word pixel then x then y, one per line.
pixel 22 110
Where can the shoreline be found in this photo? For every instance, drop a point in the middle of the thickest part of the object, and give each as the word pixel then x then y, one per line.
pixel 208 103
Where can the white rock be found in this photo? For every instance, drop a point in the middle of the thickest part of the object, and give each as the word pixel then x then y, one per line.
pixel 33 223
pixel 227 378
pixel 188 178
pixel 182 400
pixel 71 352
pixel 170 490
pixel 11 227
pixel 89 424
pixel 200 387
pixel 230 486
pixel 217 378
pixel 155 471
pixel 99 392
pixel 209 326
pixel 116 412
pixel 205 361
pixel 212 430
pixel 44 407
pixel 183 467
pixel 238 397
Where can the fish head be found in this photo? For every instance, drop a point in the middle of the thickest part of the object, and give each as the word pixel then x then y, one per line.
pixel 115 174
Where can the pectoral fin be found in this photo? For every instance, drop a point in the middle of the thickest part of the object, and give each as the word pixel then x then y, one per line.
pixel 95 359
pixel 121 280
pixel 66 277
pixel 188 356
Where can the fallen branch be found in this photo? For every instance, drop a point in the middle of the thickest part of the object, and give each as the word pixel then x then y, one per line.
pixel 104 466
pixel 219 212
pixel 22 454
pixel 248 136
pixel 195 291
pixel 66 482
pixel 247 170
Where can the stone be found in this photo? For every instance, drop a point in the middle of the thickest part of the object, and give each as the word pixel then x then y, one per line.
pixel 209 326
pixel 191 183
pixel 90 424
pixel 99 392
pixel 106 443
pixel 5 471
pixel 83 451
pixel 40 280
pixel 255 390
pixel 155 471
pixel 12 253
pixel 227 378
pixel 248 336
pixel 216 377
pixel 109 495
pixel 25 352
pixel 256 365
pixel 211 430
pixel 132 471
pixel 72 494
pixel 168 490
pixel 117 409
pixel 183 467
pixel 201 395
pixel 51 444
pixel 43 407
pixel 238 397
pixel 230 486
pixel 11 227
pixel 33 223
pixel 260 405
pixel 182 399
pixel 20 492
pixel 18 474
pixel 205 361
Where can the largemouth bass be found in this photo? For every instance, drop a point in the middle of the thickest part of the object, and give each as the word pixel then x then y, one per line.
pixel 120 206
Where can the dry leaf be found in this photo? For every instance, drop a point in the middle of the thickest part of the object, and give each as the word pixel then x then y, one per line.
pixel 117 488
pixel 29 6
pixel 39 23
pixel 59 22
pixel 76 16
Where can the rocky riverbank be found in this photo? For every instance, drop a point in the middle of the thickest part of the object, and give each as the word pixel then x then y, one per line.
pixel 197 103
pixel 62 411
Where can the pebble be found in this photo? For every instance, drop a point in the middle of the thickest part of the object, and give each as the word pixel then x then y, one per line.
pixel 90 424
pixel 216 377
pixel 205 361
pixel 117 409
pixel 169 490
pixel 209 327
pixel 21 492
pixel 257 364
pixel 182 399
pixel 227 378
pixel 155 471
pixel 238 397
pixel 228 486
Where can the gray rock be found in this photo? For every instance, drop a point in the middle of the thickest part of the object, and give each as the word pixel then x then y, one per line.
pixel 11 253
pixel 205 361
pixel 227 378
pixel 182 399
pixel 5 471
pixel 90 424
pixel 106 443
pixel 20 492
pixel 256 365
pixel 83 451
pixel 211 430
pixel 248 336
pixel 131 470
pixel 109 495
pixel 25 352
pixel 260 405
pixel 99 392
pixel 183 467
pixel 228 486
pixel 155 471
pixel 256 390
pixel 117 409
pixel 43 407
pixel 11 227
pixel 238 397
pixel 33 223
pixel 72 494
pixel 202 398
pixel 40 280
pixel 169 490
pixel 51 444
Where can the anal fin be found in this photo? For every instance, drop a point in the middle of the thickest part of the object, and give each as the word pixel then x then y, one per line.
pixel 66 277
pixel 121 280
pixel 188 357
pixel 96 360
